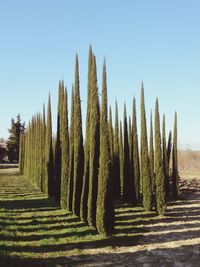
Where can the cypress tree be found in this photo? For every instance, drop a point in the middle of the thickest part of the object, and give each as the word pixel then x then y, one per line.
pixel 169 148
pixel 121 158
pixel 94 146
pixel 111 136
pixel 160 178
pixel 22 152
pixel 151 153
pixel 78 146
pixel 71 160
pixel 116 162
pixel 136 161
pixel 43 148
pixel 105 207
pixel 132 194
pixel 58 150
pixel 126 183
pixel 49 173
pixel 26 151
pixel 165 159
pixel 145 166
pixel 39 151
pixel 65 153
pixel 175 177
pixel 111 142
pixel 84 195
pixel 33 139
pixel 130 141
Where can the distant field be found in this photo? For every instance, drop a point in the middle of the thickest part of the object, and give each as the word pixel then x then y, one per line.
pixel 189 164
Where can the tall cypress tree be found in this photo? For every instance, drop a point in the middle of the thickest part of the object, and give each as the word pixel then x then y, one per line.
pixel 130 141
pixel 22 152
pixel 175 177
pixel 65 153
pixel 111 136
pixel 145 166
pixel 40 150
pixel 78 146
pixel 121 158
pixel 165 159
pixel 116 169
pixel 151 153
pixel 58 150
pixel 43 148
pixel 169 148
pixel 160 178
pixel 132 194
pixel 126 156
pixel 49 173
pixel 94 146
pixel 84 195
pixel 136 161
pixel 105 207
pixel 111 142
pixel 70 188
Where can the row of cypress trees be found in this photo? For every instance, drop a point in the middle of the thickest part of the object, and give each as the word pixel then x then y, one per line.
pixel 87 177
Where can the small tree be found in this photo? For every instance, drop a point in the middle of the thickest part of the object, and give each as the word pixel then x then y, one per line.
pixel 17 127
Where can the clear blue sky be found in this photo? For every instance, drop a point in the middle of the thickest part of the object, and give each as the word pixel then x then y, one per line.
pixel 154 41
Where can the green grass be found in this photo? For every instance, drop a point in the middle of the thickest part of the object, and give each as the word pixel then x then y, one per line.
pixel 36 232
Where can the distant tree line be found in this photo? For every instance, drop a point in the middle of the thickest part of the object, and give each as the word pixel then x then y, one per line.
pixel 88 177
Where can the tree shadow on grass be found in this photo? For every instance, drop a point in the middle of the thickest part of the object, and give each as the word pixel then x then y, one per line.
pixel 137 238
pixel 133 227
pixel 185 255
pixel 28 204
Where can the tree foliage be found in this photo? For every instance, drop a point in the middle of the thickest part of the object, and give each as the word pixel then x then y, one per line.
pixel 17 127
